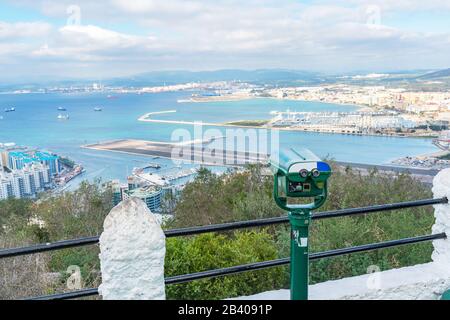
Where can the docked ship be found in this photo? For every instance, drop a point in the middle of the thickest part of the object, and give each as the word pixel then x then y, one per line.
pixel 10 109
pixel 443 142
pixel 153 166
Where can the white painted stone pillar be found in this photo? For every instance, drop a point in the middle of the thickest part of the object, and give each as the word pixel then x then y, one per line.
pixel 441 188
pixel 132 251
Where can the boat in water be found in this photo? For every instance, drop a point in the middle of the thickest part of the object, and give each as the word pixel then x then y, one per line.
pixel 62 109
pixel 153 166
pixel 443 142
pixel 10 109
pixel 98 109
pixel 63 117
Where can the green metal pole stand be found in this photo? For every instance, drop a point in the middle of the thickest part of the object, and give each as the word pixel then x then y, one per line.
pixel 300 222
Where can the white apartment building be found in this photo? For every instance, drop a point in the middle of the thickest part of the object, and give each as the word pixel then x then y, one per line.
pixel 5 188
pixel 423 108
pixel 25 183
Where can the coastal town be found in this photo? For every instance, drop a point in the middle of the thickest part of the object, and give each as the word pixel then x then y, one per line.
pixel 381 110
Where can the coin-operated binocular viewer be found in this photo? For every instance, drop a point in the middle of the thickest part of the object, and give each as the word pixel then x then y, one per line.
pixel 299 174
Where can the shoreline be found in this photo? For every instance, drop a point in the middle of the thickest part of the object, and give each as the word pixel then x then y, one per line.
pixel 145 118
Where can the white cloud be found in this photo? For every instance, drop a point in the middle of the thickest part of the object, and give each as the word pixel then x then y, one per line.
pixel 92 43
pixel 94 38
pixel 23 30
pixel 199 34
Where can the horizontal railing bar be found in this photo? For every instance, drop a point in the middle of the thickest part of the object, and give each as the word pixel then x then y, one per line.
pixel 315 216
pixel 226 271
pixel 65 244
pixel 68 295
pixel 378 208
pixel 6 253
pixel 260 265
pixel 375 246
pixel 226 226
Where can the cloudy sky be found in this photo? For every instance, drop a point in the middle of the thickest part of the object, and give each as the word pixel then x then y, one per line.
pixel 105 38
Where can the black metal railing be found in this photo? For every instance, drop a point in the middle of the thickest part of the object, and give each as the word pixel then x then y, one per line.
pixel 7 253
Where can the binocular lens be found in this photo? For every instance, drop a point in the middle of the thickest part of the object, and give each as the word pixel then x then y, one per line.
pixel 303 173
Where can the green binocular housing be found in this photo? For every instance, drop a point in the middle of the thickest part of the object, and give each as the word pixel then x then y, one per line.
pixel 299 174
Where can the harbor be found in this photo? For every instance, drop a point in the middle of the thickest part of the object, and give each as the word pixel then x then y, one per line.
pixel 86 127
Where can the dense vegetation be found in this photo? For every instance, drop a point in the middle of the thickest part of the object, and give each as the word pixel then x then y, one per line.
pixel 214 199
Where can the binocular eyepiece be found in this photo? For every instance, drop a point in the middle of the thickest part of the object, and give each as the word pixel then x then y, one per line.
pixel 305 173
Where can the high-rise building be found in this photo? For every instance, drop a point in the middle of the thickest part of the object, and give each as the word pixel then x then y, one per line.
pixel 148 187
pixel 2 163
pixel 5 148
pixel 6 190
pixel 51 160
pixel 118 189
pixel 27 182
pixel 18 159
pixel 150 194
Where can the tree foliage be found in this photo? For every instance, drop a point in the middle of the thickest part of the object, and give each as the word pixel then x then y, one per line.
pixel 212 251
pixel 233 196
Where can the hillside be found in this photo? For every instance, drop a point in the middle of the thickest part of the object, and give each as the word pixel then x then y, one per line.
pixel 436 75
pixel 262 76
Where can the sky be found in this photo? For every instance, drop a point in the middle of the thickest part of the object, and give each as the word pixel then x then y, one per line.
pixel 43 39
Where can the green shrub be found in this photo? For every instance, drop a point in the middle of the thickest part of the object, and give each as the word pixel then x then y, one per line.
pixel 212 251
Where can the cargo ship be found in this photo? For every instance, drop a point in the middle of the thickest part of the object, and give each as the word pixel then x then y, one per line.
pixel 63 117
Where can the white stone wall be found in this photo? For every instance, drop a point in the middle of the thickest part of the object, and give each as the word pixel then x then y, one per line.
pixel 441 188
pixel 420 282
pixel 132 254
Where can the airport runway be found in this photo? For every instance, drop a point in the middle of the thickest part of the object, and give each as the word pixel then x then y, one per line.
pixel 198 152
pixel 194 152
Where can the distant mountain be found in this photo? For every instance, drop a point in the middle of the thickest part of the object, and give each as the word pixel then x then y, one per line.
pixel 436 75
pixel 269 77
pixel 263 76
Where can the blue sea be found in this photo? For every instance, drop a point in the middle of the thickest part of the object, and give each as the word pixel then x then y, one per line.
pixel 35 124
